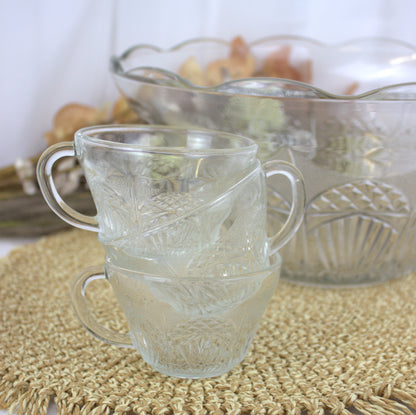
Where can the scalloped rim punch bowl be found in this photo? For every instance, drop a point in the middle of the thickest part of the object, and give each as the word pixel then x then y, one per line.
pixel 345 115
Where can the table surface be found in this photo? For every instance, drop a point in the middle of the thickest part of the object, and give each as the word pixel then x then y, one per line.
pixel 6 245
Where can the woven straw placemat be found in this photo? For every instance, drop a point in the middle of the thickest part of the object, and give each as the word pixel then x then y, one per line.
pixel 317 351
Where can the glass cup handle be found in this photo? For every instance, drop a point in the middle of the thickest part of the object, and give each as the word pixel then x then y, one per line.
pixel 50 193
pixel 79 302
pixel 297 209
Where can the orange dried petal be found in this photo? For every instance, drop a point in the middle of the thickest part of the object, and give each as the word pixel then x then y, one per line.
pixel 350 90
pixel 122 112
pixel 242 61
pixel 239 49
pixel 240 64
pixel 192 71
pixel 71 118
pixel 277 65
pixel 218 72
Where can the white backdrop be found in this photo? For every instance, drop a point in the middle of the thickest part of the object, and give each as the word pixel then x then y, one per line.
pixel 56 52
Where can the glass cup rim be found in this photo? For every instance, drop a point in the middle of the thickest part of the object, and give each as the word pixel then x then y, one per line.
pixel 275 259
pixel 85 134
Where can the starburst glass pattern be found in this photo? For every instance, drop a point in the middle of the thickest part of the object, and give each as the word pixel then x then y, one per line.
pixel 193 327
pixel 356 140
pixel 354 233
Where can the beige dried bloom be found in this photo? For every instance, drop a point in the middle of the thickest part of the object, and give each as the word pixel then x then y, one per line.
pixel 71 118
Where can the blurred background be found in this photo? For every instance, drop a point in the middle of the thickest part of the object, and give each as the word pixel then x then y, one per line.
pixel 54 53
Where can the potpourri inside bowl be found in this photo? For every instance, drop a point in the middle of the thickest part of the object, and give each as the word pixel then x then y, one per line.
pixel 345 115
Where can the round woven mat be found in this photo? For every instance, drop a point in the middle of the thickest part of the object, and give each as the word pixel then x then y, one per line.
pixel 317 351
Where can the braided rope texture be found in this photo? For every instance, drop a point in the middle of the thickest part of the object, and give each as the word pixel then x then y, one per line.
pixel 317 351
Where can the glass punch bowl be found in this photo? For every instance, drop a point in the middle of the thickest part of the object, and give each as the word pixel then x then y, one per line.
pixel 345 115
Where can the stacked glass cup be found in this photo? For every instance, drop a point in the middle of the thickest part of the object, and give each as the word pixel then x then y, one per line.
pixel 182 216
